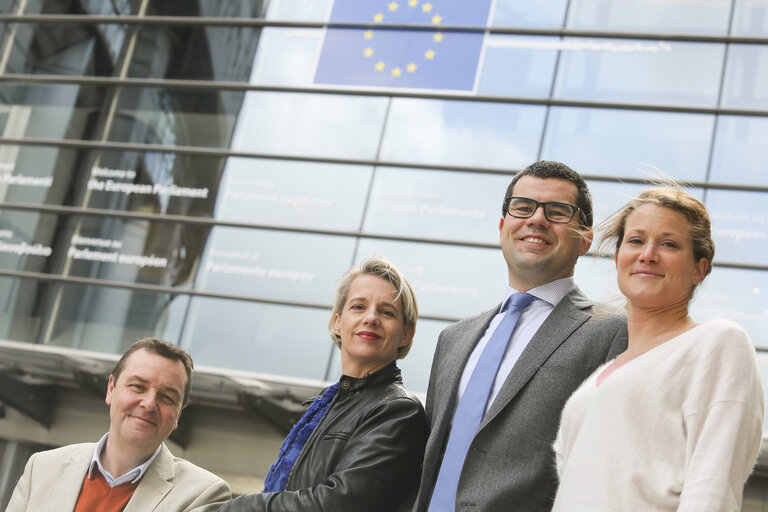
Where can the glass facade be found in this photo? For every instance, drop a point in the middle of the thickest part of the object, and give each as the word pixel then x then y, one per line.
pixel 207 178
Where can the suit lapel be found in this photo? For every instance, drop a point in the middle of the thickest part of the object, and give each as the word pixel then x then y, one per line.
pixel 71 475
pixel 457 351
pixel 569 314
pixel 156 483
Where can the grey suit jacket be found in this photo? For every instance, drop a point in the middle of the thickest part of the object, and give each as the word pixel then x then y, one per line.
pixel 52 480
pixel 510 464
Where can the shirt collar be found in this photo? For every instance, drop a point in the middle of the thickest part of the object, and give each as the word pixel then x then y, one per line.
pixel 552 292
pixel 132 476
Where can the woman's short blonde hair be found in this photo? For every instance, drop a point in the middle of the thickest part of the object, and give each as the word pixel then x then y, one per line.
pixel 379 267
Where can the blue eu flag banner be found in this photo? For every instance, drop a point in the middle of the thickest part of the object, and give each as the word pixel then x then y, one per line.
pixel 419 59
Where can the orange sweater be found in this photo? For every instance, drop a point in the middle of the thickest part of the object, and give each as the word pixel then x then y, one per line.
pixel 97 495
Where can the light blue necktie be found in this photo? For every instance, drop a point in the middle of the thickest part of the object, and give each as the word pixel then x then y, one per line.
pixel 471 409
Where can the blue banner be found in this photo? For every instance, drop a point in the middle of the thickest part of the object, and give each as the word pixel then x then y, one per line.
pixel 419 59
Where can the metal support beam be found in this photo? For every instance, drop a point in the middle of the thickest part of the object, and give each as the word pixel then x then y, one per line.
pixel 38 401
pixel 282 413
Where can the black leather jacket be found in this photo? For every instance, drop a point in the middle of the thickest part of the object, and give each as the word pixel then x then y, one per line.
pixel 365 455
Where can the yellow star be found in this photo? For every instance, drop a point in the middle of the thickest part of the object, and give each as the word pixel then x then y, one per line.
pixel 397 72
pixel 413 3
pixel 438 37
pixel 426 7
pixel 393 6
pixel 429 54
pixel 437 19
pixel 412 67
pixel 368 52
pixel 368 34
pixel 378 17
pixel 380 66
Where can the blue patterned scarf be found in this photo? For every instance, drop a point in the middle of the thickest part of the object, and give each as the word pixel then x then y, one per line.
pixel 279 471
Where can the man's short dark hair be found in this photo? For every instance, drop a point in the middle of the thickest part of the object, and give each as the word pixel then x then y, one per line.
pixel 164 349
pixel 544 169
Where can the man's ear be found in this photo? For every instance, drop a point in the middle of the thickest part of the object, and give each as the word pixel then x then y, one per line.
pixel 586 240
pixel 110 389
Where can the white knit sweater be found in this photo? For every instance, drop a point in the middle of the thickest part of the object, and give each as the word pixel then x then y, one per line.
pixel 677 428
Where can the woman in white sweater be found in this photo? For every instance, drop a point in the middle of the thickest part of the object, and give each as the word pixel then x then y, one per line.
pixel 674 422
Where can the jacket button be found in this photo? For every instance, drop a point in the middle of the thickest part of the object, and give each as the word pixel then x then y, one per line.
pixel 345 384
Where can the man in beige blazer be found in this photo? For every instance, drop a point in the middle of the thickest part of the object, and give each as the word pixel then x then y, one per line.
pixel 146 393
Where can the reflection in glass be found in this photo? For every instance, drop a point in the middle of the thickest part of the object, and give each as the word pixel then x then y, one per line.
pixel 37 175
pixel 638 71
pixel 750 17
pixel 55 111
pixel 21 308
pixel 739 226
pixel 109 319
pixel 173 118
pixel 740 151
pixel 287 56
pixel 697 16
pixel 295 194
pixel 67 49
pixel 438 205
pixel 449 281
pixel 27 240
pixel 194 52
pixel 746 77
pixel 274 265
pixel 518 66
pixel 462 133
pixel 263 338
pixel 320 125
pixel 150 182
pixel 629 143
pixel 212 8
pixel 737 294
pixel 529 13
pixel 299 10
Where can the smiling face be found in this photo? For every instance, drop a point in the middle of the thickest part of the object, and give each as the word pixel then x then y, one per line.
pixel 145 402
pixel 538 251
pixel 370 326
pixel 655 263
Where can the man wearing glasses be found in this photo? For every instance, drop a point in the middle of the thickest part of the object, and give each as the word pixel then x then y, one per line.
pixel 500 379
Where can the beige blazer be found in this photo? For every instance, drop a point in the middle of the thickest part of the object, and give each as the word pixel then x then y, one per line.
pixel 52 480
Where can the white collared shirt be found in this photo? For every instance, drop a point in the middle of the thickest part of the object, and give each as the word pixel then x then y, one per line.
pixel 132 476
pixel 546 297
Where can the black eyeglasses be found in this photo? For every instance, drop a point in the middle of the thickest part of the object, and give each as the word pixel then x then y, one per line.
pixel 524 207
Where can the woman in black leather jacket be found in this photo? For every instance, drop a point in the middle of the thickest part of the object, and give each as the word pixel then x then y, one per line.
pixel 360 444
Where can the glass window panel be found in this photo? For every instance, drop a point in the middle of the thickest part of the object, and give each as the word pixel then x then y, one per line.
pixel 529 13
pixel 173 118
pixel 21 311
pixel 629 143
pixel 212 8
pixel 135 251
pixel 449 281
pixel 697 16
pixel 109 319
pixel 27 240
pixel 739 225
pixel 150 182
pixel 58 111
pixel 597 279
pixel 738 294
pixel 750 17
pixel 67 49
pixel 287 56
pixel 299 10
pixel 274 265
pixel 462 133
pixel 677 73
pixel 295 194
pixel 66 7
pixel 518 66
pixel 36 174
pixel 330 125
pixel 438 205
pixel 746 77
pixel 263 338
pixel 417 364
pixel 194 52
pixel 740 151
